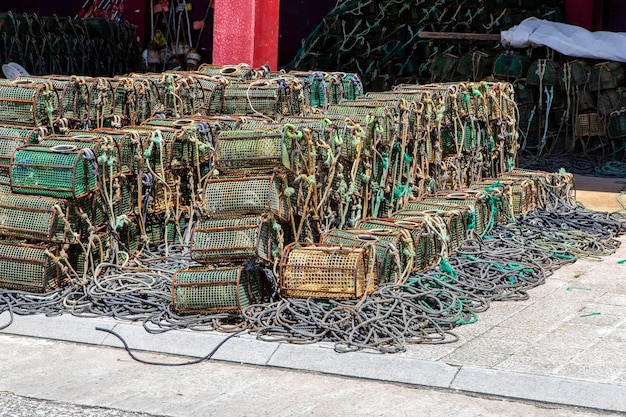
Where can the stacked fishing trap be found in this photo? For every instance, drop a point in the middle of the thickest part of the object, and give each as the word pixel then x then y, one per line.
pixel 61 45
pixel 273 184
pixel 566 105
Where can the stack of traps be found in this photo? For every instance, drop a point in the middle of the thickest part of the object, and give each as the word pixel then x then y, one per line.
pixel 294 179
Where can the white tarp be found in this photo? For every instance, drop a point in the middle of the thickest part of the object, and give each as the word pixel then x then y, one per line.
pixel 569 40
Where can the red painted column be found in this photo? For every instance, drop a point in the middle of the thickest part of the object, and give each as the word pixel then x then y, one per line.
pixel 246 31
pixel 580 13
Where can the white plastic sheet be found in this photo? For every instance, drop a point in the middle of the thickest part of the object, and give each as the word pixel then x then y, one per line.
pixel 569 40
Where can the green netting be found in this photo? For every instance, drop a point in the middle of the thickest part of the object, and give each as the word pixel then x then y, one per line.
pixel 35 218
pixel 241 71
pixel 454 220
pixel 28 267
pixel 215 290
pixel 55 172
pixel 234 239
pixel 106 151
pixel 616 125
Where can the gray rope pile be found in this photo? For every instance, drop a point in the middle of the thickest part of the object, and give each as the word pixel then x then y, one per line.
pixel 425 309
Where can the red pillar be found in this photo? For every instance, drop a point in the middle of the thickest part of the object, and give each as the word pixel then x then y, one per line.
pixel 580 13
pixel 246 31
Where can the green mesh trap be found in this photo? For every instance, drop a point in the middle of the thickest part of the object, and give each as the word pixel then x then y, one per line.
pixel 616 125
pixel 59 171
pixel 327 271
pixel 606 75
pixel 477 203
pixel 36 218
pixel 28 104
pixel 135 99
pixel 392 248
pixel 510 65
pixel 453 219
pixel 352 85
pixel 257 150
pixel 542 72
pixel 223 196
pixel 235 239
pixel 104 148
pixel 611 100
pixel 273 98
pixel 574 73
pixel 29 267
pixel 215 290
pixel 425 245
pixel 128 143
pixel 241 71
pixel 590 124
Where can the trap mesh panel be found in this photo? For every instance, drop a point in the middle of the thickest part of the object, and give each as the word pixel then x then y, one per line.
pixel 28 267
pixel 326 271
pixel 245 195
pixel 28 105
pixel 157 146
pixel 179 93
pixel 454 220
pixel 268 97
pixel 590 124
pixel 241 71
pixel 575 72
pixel 212 91
pixel 215 290
pixel 611 100
pixel 128 143
pixel 383 118
pixel 477 204
pixel 98 251
pixel 511 65
pixel 519 193
pixel 616 125
pixel 542 72
pixel 234 239
pixel 105 149
pixel 36 218
pixel 606 75
pixel 10 139
pixel 352 85
pixel 426 249
pixel 122 202
pixel 255 150
pixel 391 248
pixel 53 172
pixel 135 99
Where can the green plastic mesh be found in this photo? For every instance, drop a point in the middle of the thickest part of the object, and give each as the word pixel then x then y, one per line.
pixel 511 65
pixel 478 206
pixel 352 85
pixel 234 239
pixel 128 143
pixel 616 125
pixel 611 100
pixel 28 105
pixel 327 271
pixel 245 195
pixel 215 290
pixel 135 99
pixel 28 267
pixel 43 171
pixel 391 248
pixel 36 218
pixel 606 75
pixel 542 72
pixel 98 145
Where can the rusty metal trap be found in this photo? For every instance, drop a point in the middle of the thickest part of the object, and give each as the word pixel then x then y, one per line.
pixel 225 196
pixel 273 98
pixel 393 249
pixel 62 171
pixel 236 239
pixel 13 137
pixel 257 150
pixel 205 290
pixel 29 104
pixel 29 267
pixel 37 218
pixel 327 271
pixel 520 193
